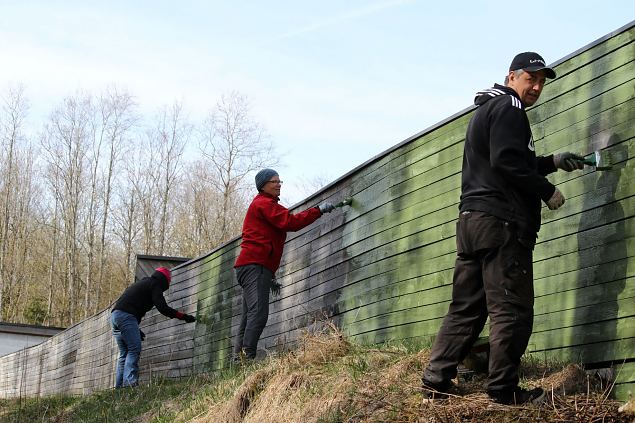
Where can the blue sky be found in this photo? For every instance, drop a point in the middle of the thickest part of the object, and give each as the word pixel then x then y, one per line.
pixel 334 82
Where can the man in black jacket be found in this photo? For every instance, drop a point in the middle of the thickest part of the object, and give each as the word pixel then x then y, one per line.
pixel 134 303
pixel 503 183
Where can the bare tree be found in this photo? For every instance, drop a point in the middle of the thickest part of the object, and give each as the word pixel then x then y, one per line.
pixel 65 142
pixel 196 210
pixel 127 214
pixel 12 116
pixel 128 229
pixel 94 198
pixel 23 228
pixel 168 140
pixel 235 145
pixel 52 260
pixel 94 142
pixel 117 119
pixel 143 173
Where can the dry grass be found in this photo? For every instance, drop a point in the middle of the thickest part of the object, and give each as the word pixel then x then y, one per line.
pixel 297 387
pixel 327 379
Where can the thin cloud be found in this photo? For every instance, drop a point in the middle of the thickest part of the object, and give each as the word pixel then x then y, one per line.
pixel 342 18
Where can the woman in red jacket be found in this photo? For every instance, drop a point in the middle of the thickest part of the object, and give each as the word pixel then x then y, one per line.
pixel 264 233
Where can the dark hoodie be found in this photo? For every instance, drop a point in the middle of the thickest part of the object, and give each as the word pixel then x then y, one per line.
pixel 501 174
pixel 141 296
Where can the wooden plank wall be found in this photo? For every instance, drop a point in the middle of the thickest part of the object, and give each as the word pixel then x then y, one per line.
pixel 584 267
pixel 81 359
pixel 382 269
pixel 78 360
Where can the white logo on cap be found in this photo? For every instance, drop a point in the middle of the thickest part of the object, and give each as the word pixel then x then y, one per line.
pixel 536 60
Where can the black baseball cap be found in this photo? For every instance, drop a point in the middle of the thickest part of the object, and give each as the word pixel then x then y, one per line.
pixel 531 62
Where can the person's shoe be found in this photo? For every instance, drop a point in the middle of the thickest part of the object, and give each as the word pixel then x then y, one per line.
pixel 437 391
pixel 518 396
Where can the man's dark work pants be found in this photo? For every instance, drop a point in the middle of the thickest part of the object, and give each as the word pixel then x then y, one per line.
pixel 492 276
pixel 256 283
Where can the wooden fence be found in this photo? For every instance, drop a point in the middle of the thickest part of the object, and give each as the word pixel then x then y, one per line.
pixel 382 269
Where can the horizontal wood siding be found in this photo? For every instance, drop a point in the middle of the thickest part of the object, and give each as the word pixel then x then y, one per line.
pixel 382 268
pixel 79 360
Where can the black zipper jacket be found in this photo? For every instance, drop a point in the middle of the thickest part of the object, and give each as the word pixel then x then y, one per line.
pixel 141 296
pixel 502 175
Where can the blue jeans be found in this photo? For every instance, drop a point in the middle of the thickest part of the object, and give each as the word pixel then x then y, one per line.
pixel 125 328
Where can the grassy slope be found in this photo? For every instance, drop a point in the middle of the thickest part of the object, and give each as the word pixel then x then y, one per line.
pixel 326 379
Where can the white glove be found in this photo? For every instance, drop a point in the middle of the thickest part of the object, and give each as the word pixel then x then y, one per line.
pixel 326 207
pixel 556 200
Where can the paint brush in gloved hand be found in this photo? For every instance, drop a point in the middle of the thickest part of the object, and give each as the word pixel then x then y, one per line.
pixel 598 160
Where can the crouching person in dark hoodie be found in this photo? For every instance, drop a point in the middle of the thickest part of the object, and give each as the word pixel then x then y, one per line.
pixel 132 305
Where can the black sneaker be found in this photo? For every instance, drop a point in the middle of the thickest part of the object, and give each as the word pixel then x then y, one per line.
pixel 518 396
pixel 437 391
